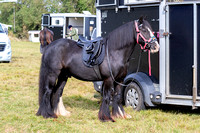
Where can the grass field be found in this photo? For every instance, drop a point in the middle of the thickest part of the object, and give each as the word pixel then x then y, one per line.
pixel 19 103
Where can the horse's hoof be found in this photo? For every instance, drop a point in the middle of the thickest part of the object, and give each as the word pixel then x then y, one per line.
pixel 107 119
pixel 46 115
pixel 50 116
pixel 118 116
pixel 128 116
pixel 66 114
pixel 112 120
pixel 54 116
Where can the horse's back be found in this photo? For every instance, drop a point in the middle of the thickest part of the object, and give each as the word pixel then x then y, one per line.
pixel 59 49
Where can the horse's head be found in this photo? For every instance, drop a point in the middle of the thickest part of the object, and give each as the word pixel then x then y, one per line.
pixel 145 36
pixel 46 37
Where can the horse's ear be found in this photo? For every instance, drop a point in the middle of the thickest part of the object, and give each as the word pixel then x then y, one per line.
pixel 141 19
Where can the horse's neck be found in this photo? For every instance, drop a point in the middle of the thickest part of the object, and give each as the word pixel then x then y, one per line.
pixel 125 51
pixel 128 51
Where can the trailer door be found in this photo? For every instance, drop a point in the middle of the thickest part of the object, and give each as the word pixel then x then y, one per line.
pixel 198 49
pixel 180 50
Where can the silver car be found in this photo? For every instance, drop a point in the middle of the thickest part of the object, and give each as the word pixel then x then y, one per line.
pixel 5 45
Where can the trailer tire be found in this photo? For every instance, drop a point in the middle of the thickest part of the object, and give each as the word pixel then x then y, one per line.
pixel 133 97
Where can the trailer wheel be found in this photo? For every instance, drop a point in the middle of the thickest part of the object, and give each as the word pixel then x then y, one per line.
pixel 133 97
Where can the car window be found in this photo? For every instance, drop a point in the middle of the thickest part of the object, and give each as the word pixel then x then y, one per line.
pixel 1 29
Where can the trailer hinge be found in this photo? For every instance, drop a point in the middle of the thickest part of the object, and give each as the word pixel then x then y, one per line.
pixel 116 9
pixel 129 8
pixel 165 8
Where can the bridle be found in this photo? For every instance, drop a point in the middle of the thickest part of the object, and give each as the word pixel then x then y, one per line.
pixel 147 45
pixel 151 40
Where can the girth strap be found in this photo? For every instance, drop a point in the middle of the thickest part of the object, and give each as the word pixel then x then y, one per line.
pixel 97 71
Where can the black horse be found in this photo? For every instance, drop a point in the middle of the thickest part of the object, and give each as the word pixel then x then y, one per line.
pixel 63 59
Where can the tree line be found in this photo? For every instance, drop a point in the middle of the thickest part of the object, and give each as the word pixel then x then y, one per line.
pixel 27 13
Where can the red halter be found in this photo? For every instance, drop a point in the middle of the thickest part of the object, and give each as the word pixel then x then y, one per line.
pixel 151 40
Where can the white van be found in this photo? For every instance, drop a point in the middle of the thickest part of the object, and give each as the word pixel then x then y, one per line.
pixel 5 45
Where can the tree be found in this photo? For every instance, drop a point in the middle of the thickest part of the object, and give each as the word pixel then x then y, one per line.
pixel 28 12
pixel 53 6
pixel 28 16
pixel 70 6
pixel 6 13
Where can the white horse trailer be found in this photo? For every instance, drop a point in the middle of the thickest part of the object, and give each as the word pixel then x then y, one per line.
pixel 59 22
pixel 34 35
pixel 176 68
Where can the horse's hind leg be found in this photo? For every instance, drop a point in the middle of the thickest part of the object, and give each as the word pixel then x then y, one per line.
pixel 58 105
pixel 117 108
pixel 104 112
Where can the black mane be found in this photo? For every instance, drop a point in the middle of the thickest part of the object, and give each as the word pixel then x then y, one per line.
pixel 121 36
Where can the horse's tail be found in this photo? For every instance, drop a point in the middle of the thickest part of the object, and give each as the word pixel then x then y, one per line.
pixel 45 108
pixel 42 78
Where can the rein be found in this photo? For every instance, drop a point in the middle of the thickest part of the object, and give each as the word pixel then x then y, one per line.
pixel 146 45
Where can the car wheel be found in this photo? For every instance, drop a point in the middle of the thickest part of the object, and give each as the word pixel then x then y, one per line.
pixel 133 97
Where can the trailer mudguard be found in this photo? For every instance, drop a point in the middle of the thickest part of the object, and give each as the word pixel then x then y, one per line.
pixel 145 83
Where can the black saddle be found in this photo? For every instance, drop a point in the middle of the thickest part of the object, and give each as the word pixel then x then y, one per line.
pixel 93 51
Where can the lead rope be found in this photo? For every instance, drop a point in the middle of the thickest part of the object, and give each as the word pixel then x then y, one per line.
pixel 138 67
pixel 149 59
pixel 149 62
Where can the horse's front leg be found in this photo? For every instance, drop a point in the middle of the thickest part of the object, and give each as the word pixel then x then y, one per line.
pixel 104 112
pixel 60 109
pixel 117 108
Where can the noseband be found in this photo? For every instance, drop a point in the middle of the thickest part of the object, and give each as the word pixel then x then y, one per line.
pixel 147 42
pixel 147 45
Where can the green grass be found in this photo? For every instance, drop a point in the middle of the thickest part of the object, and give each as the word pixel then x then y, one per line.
pixel 19 103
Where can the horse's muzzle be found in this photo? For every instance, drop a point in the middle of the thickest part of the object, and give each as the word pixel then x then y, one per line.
pixel 155 48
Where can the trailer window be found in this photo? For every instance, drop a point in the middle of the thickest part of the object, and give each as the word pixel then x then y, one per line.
pixel 57 22
pixel 36 35
pixel 132 2
pixel 180 0
pixel 106 3
pixel 45 20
